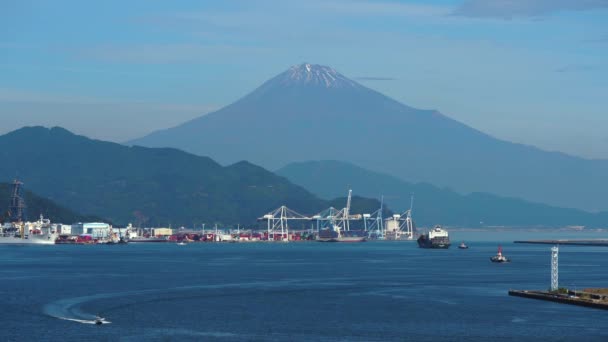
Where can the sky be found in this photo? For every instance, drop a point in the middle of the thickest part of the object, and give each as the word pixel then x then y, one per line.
pixel 532 72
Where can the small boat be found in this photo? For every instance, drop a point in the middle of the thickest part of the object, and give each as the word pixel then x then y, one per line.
pixel 182 243
pixel 99 320
pixel 499 257
pixel 463 246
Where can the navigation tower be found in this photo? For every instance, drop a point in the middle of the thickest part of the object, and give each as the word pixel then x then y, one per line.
pixel 554 268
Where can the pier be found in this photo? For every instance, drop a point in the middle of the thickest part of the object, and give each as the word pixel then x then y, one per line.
pixel 585 298
pixel 593 298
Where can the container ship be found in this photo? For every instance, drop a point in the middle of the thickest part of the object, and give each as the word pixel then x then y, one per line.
pixel 435 238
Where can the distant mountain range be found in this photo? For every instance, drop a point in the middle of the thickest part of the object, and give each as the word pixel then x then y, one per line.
pixel 433 205
pixel 147 186
pixel 312 112
pixel 37 205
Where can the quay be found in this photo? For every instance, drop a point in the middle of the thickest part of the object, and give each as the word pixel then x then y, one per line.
pixel 592 242
pixel 592 298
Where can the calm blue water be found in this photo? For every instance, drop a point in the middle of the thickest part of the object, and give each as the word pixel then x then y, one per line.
pixel 373 291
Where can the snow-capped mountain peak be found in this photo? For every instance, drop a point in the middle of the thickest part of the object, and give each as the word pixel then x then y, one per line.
pixel 316 75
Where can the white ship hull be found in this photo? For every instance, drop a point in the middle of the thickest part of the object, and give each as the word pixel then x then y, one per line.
pixel 31 240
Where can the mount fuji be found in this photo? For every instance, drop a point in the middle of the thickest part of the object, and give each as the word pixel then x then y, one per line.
pixel 312 112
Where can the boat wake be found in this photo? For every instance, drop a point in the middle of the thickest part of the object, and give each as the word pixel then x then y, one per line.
pixel 85 321
pixel 69 309
pixel 518 320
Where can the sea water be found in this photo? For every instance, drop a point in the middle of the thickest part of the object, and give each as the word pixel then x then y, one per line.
pixel 300 291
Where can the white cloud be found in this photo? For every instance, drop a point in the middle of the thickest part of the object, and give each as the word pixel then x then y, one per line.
pixel 165 53
pixel 380 8
pixel 508 9
pixel 18 95
pixel 94 117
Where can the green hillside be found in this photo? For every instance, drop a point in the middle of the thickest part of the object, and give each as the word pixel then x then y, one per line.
pixel 37 205
pixel 147 186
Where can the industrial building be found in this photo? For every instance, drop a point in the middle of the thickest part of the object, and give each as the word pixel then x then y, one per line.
pixel 96 230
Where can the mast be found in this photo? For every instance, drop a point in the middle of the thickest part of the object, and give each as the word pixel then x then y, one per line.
pixel 17 205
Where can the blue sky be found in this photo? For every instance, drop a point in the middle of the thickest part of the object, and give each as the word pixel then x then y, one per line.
pixel 534 72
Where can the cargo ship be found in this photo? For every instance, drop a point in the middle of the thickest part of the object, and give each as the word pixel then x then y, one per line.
pixel 330 235
pixel 28 233
pixel 32 239
pixel 17 231
pixel 435 238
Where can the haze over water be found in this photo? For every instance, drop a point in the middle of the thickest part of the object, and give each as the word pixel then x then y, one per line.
pixel 373 291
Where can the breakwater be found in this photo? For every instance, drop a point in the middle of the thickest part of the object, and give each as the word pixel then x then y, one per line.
pixel 591 242
pixel 570 297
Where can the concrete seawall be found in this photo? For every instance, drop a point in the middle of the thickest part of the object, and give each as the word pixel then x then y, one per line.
pixel 598 242
pixel 560 298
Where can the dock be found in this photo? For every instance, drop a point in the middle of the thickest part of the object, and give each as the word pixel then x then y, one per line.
pixel 587 299
pixel 591 242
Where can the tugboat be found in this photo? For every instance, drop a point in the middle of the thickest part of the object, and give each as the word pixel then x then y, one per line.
pixel 499 257
pixel 435 238
pixel 463 246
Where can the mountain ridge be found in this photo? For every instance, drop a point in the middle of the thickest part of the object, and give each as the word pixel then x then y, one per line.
pixel 157 186
pixel 276 124
pixel 431 204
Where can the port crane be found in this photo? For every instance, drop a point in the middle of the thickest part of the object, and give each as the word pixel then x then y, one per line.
pixel 336 220
pixel 326 219
pixel 402 225
pixel 373 223
pixel 343 217
pixel 278 221
pixel 331 218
